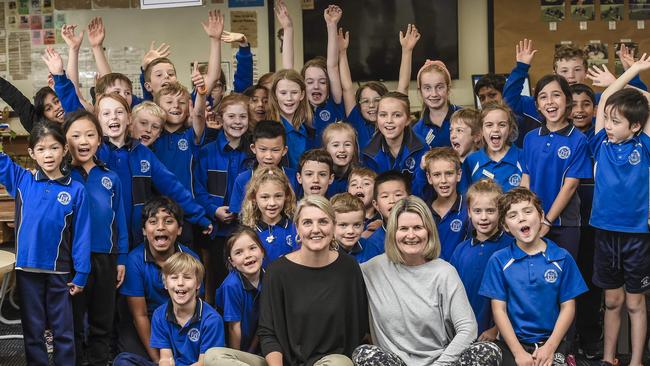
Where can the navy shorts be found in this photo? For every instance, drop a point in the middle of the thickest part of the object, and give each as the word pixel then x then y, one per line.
pixel 622 259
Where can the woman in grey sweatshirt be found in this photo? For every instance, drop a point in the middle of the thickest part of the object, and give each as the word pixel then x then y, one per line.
pixel 420 314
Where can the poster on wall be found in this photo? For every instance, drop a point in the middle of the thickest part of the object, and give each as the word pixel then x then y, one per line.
pixel 244 22
pixel 160 4
pixel 552 10
pixel 639 9
pixel 611 10
pixel 582 10
pixel 597 53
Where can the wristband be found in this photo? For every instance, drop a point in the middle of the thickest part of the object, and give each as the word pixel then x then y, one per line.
pixel 546 222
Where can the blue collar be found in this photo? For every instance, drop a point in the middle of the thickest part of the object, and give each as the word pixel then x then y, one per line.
pixel 378 143
pixel 64 180
pixel 223 143
pixel 427 119
pixel 196 317
pixel 566 131
pixel 248 286
pixel 356 248
pixel 129 143
pixel 261 225
pixel 493 238
pixel 148 256
pixel 551 254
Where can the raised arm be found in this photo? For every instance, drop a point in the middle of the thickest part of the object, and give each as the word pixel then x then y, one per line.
pixel 287 39
pixel 408 41
pixel 153 53
pixel 213 28
pixel 243 77
pixel 332 16
pixel 63 87
pixel 525 53
pixel 96 35
pixel 198 111
pixel 73 41
pixel 19 103
pixel 349 100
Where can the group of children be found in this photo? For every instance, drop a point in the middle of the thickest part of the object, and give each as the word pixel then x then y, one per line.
pixel 130 192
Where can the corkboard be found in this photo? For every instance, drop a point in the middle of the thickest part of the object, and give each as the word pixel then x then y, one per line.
pixel 515 20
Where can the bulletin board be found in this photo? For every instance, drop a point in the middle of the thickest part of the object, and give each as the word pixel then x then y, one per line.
pixel 514 20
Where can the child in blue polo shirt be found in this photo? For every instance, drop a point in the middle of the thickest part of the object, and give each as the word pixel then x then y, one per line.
pixel 238 296
pixel 390 187
pixel 361 184
pixel 556 157
pixel 443 171
pixel 471 256
pixel 340 141
pixel 268 208
pixel 396 146
pixel 184 327
pixel 53 234
pixel 148 121
pixel 583 111
pixel 465 132
pixel 315 172
pixel 269 146
pixel 620 208
pixel 350 214
pixel 499 159
pixel 143 286
pixel 532 285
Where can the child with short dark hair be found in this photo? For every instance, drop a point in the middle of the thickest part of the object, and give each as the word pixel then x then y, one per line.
pixel 350 214
pixel 389 188
pixel 471 256
pixel 443 170
pixel 489 88
pixel 620 209
pixel 583 111
pixel 315 172
pixel 532 285
pixel 361 184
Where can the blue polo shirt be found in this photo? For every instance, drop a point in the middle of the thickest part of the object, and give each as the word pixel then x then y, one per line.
pixel 340 184
pixel 177 151
pixel 533 287
pixel 549 158
pixel 506 172
pixel 239 301
pixel 431 134
pixel 239 188
pixel 278 239
pixel 470 259
pixel 324 115
pixel 188 341
pixel 362 251
pixel 621 183
pixel 377 157
pixel 365 129
pixel 376 240
pixel 453 227
pixel 298 141
pixel 144 277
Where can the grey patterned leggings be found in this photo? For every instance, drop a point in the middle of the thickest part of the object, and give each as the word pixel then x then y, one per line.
pixel 477 354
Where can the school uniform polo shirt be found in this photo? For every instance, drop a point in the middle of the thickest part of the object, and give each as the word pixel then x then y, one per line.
pixel 366 222
pixel 324 115
pixel 144 277
pixel 533 287
pixel 238 301
pixel 188 341
pixel 339 185
pixel 506 172
pixel 362 250
pixel 298 141
pixel 278 239
pixel 549 158
pixel 452 228
pixel 621 183
pixel 177 151
pixel 365 129
pixel 433 135
pixel 377 239
pixel 470 259
pixel 239 188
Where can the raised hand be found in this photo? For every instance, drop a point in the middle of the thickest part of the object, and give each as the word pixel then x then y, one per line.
pixel 342 40
pixel 73 41
pixel 282 14
pixel 96 32
pixel 53 61
pixel 409 39
pixel 214 26
pixel 231 37
pixel 332 14
pixel 600 76
pixel 525 51
pixel 626 55
pixel 643 63
pixel 154 53
pixel 197 80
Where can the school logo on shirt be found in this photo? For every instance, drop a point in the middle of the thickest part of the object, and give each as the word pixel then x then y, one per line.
pixel 563 152
pixel 324 115
pixel 634 158
pixel 550 276
pixel 64 198
pixel 289 241
pixel 107 182
pixel 456 225
pixel 514 180
pixel 410 163
pixel 182 144
pixel 193 334
pixel 144 166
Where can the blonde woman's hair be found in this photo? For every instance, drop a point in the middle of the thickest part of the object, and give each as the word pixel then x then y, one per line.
pixel 250 213
pixel 180 263
pixel 320 203
pixel 342 127
pixel 414 205
pixel 303 113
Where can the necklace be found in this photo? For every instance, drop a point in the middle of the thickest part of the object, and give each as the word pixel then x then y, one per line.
pixel 270 238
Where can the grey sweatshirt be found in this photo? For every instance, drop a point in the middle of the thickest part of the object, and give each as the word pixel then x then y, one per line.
pixel 421 313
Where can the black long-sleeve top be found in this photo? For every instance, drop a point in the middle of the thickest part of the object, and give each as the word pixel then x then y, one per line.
pixel 19 103
pixel 307 313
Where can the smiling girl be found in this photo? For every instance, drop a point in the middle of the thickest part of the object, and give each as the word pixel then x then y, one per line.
pixel 340 141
